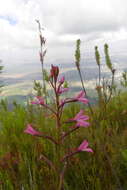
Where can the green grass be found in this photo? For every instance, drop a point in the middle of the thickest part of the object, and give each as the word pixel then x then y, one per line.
pixel 20 166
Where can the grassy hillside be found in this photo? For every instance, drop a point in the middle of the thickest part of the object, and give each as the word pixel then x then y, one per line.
pixel 21 166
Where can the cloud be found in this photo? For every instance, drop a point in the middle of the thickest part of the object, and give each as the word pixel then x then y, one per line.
pixel 95 22
pixel 92 16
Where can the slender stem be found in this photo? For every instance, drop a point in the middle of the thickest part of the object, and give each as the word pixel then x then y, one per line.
pixel 62 176
pixel 84 90
pixel 42 58
pixel 58 124
pixel 42 64
pixel 49 138
pixel 69 155
pixel 59 111
pixel 68 133
pixel 112 83
pixel 46 106
pixel 99 74
pixel 104 90
pixel 49 162
pixel 58 127
pixel 43 79
pixel 113 171
pixel 52 85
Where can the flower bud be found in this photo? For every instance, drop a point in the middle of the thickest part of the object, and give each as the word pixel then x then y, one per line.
pixel 54 72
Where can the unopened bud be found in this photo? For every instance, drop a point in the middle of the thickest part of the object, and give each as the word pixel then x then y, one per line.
pixel 54 72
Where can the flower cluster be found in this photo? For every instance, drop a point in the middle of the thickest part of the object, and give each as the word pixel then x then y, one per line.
pixel 79 120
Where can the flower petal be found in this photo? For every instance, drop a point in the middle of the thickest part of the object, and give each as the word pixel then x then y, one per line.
pixel 30 130
pixel 79 114
pixel 83 145
pixel 83 100
pixel 39 101
pixel 88 150
pixel 62 90
pixel 62 79
pixel 81 94
pixel 81 123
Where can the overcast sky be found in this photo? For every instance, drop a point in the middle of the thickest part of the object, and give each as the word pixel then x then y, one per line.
pixel 95 22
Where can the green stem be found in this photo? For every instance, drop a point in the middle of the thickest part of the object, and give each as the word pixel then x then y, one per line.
pixel 90 108
pixel 62 177
pixel 111 92
pixel 99 75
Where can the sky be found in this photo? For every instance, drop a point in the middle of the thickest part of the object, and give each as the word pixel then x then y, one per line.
pixel 95 22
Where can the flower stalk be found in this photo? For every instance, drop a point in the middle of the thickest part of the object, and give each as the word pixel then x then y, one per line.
pixel 79 120
pixel 42 54
pixel 77 63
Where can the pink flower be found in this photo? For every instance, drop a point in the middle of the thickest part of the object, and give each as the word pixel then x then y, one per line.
pixel 62 102
pixel 62 79
pixel 39 101
pixel 84 147
pixel 80 118
pixel 54 72
pixel 81 97
pixel 30 130
pixel 62 90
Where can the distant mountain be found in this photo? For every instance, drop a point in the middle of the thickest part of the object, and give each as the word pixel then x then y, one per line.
pixel 15 100
pixel 70 74
pixel 27 77
pixel 87 73
pixel 21 80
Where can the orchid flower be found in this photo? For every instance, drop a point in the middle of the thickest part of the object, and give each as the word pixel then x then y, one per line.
pixel 39 101
pixel 30 130
pixel 62 90
pixel 84 147
pixel 62 79
pixel 80 118
pixel 54 72
pixel 81 97
pixel 62 102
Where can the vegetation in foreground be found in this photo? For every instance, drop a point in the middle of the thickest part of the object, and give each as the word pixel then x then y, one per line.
pixel 44 146
pixel 21 164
